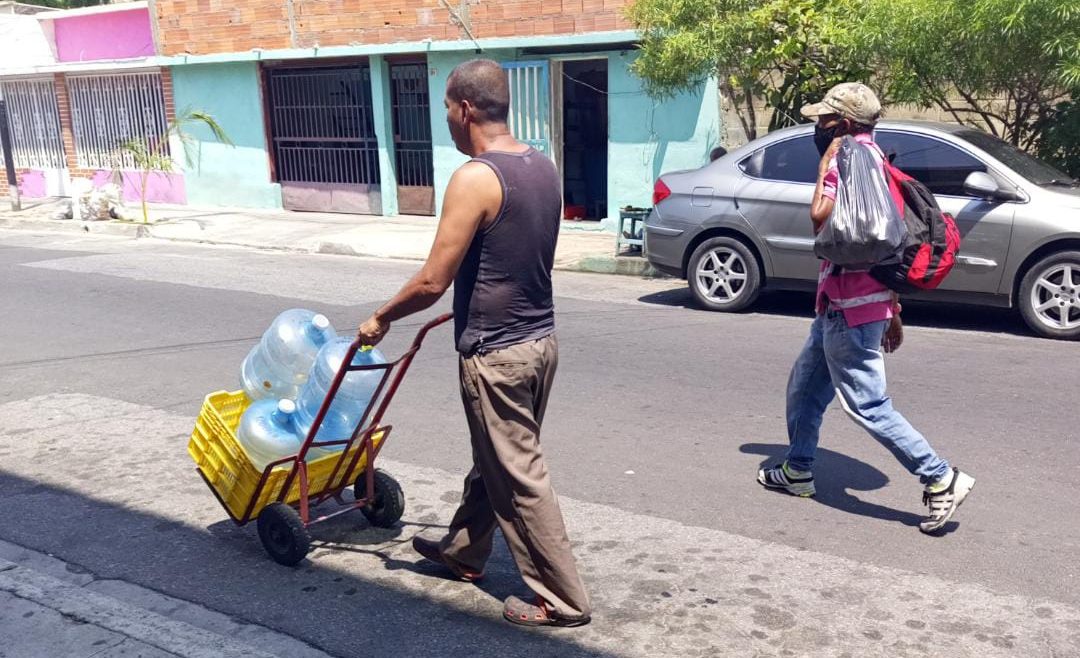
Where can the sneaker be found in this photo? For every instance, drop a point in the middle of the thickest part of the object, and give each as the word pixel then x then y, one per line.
pixel 944 500
pixel 796 483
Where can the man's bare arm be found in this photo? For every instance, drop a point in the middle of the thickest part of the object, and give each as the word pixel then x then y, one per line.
pixel 473 197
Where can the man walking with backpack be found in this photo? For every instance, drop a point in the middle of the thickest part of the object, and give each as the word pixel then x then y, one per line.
pixel 857 318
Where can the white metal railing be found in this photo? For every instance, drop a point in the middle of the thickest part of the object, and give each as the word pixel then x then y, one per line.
pixel 35 124
pixel 529 103
pixel 108 110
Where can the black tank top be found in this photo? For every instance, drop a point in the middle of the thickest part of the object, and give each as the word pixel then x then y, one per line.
pixel 502 292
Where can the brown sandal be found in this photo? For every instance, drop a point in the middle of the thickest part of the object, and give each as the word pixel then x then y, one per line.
pixel 519 612
pixel 430 551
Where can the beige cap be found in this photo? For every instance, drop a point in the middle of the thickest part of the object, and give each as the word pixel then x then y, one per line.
pixel 851 100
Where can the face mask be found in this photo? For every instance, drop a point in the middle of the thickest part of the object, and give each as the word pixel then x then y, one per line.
pixel 823 137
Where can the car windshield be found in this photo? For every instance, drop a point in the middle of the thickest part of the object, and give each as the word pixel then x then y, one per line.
pixel 1029 167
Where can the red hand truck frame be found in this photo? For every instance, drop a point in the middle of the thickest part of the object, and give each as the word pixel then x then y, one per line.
pixel 283 526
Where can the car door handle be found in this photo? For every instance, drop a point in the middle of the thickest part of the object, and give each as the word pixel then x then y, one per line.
pixel 975 261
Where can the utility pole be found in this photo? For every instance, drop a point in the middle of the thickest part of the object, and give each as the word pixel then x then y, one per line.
pixel 9 159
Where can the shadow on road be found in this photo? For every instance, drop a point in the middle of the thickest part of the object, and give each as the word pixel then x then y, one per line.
pixel 223 566
pixel 835 476
pixel 916 314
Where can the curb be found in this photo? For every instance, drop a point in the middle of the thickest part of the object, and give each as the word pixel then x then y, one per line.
pixel 121 229
pixel 145 616
pixel 620 265
pixel 79 604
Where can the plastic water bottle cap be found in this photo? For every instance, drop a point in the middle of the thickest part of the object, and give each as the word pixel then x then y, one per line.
pixel 321 322
pixel 286 406
pixel 366 348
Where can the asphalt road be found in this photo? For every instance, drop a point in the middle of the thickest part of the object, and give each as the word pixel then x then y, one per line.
pixel 660 417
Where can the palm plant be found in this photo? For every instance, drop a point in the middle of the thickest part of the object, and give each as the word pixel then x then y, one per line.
pixel 153 154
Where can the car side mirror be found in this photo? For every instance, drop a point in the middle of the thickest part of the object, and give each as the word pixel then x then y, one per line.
pixel 982 185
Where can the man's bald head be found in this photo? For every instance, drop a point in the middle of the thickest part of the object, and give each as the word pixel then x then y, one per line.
pixel 483 83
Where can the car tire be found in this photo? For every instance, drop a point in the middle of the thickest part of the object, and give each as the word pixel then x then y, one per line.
pixel 723 275
pixel 1049 298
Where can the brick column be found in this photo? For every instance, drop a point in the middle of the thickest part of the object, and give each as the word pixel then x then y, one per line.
pixel 167 92
pixel 67 133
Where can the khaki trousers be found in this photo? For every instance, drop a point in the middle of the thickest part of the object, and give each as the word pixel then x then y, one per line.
pixel 505 393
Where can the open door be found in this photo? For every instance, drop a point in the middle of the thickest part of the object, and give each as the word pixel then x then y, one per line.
pixel 582 144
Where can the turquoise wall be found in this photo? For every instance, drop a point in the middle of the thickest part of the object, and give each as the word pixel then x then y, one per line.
pixel 222 175
pixel 446 156
pixel 382 113
pixel 649 137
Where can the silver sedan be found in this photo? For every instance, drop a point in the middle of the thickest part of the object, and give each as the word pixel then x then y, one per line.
pixel 742 223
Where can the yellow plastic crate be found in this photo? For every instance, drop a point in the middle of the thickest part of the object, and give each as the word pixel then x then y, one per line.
pixel 229 470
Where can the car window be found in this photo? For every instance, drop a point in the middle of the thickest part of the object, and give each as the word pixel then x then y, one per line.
pixel 1031 168
pixel 939 166
pixel 792 160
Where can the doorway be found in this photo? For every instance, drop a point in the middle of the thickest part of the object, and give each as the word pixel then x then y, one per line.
pixel 412 138
pixel 325 151
pixel 584 139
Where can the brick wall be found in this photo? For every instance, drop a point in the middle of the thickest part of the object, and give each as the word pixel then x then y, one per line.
pixel 219 26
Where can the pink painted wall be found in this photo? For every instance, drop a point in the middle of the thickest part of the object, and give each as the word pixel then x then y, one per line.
pixel 113 35
pixel 162 188
pixel 32 184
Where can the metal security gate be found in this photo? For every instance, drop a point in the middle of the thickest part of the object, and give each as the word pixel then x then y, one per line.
pixel 530 105
pixel 109 110
pixel 325 150
pixel 412 139
pixel 35 136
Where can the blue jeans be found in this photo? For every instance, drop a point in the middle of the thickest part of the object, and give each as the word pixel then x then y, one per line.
pixel 838 359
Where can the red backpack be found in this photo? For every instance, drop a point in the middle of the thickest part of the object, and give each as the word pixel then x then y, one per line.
pixel 929 251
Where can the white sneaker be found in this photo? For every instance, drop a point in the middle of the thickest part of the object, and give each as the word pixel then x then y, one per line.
pixel 944 500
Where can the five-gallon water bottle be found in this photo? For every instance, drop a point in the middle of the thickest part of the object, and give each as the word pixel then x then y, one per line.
pixel 267 432
pixel 279 364
pixel 352 397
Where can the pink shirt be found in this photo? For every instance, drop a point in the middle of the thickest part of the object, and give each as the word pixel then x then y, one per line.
pixel 860 297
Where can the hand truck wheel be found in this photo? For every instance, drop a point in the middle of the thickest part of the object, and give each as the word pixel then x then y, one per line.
pixel 389 504
pixel 283 534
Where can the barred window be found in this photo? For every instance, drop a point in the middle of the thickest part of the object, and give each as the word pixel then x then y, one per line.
pixel 35 123
pixel 109 110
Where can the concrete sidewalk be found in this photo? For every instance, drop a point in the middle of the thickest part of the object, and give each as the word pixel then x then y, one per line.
pixel 54 609
pixel 582 246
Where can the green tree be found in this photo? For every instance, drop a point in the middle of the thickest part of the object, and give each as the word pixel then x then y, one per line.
pixel 1000 65
pixel 788 52
pixel 1059 138
pixel 150 155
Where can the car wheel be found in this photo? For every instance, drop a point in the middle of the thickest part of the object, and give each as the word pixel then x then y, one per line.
pixel 723 275
pixel 1050 296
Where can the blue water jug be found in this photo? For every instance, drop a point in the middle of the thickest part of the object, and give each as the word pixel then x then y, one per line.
pixel 267 433
pixel 279 364
pixel 352 398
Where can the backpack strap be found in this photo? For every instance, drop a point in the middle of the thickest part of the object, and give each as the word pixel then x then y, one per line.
pixel 895 179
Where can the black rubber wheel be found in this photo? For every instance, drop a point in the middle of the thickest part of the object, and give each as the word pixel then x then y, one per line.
pixel 283 534
pixel 1049 296
pixel 723 275
pixel 389 502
